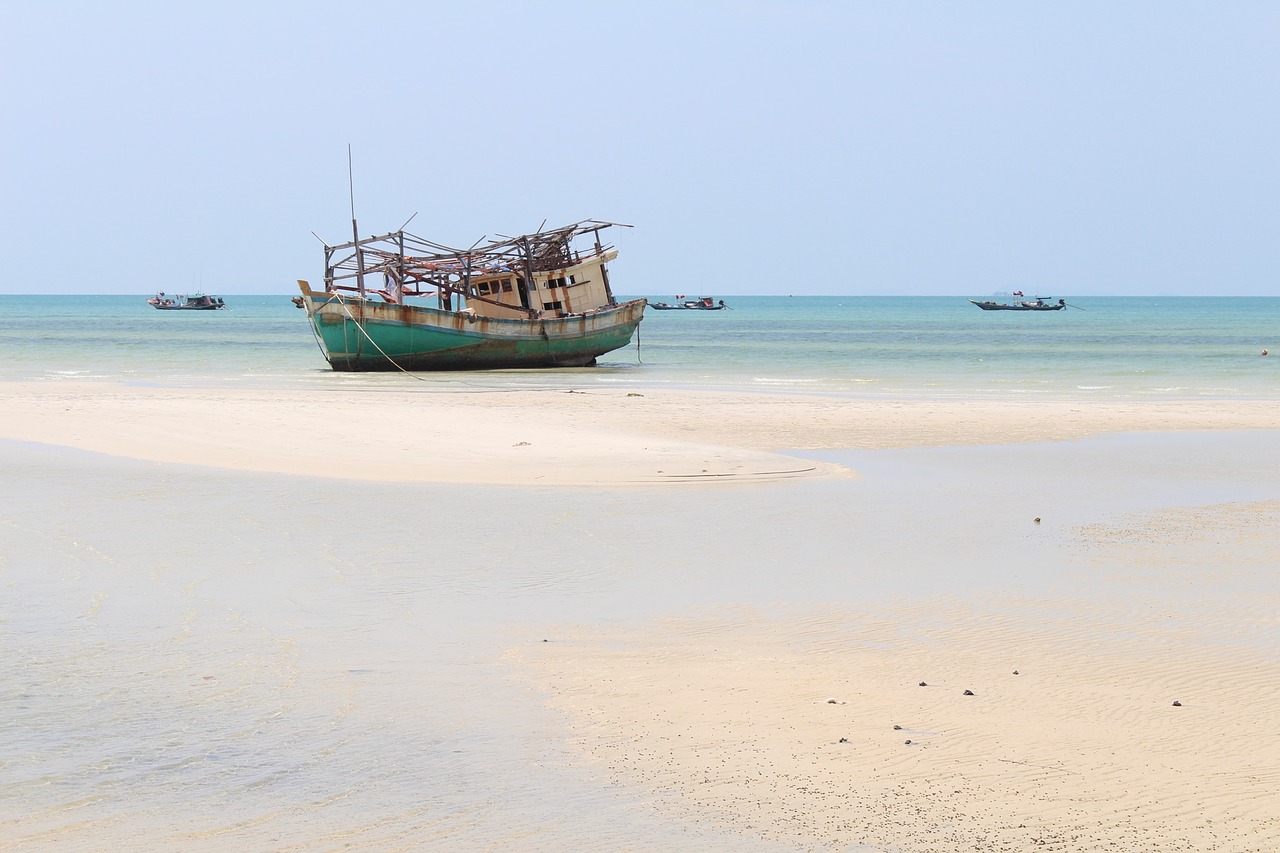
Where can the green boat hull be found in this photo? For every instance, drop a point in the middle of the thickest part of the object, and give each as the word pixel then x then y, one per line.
pixel 364 335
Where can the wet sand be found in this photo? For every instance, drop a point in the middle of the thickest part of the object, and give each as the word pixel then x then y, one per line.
pixel 734 662
pixel 1100 679
pixel 1008 724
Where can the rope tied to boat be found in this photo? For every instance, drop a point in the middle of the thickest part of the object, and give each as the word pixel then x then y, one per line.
pixel 342 302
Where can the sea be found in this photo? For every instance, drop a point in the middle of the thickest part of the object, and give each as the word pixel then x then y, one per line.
pixel 913 346
pixel 194 659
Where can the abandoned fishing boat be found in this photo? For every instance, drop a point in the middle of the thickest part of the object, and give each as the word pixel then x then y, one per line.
pixel 179 302
pixel 1037 304
pixel 399 302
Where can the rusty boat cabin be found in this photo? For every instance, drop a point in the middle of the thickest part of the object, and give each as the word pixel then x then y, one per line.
pixel 400 302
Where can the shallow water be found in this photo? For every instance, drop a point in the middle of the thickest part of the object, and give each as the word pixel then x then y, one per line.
pixel 208 661
pixel 1108 348
pixel 204 660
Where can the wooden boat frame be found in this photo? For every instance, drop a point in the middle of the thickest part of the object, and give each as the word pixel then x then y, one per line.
pixel 527 301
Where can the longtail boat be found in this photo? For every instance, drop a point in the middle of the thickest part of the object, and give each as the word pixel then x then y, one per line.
pixel 702 303
pixel 399 302
pixel 179 302
pixel 1037 304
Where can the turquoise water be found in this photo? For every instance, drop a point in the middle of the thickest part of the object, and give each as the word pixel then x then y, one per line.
pixel 203 661
pixel 1108 347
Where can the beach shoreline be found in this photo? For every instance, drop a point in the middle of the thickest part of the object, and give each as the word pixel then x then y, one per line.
pixel 733 662
pixel 571 437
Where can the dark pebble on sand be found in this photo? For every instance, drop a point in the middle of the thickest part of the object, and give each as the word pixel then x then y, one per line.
pixel 968 693
pixel 1177 704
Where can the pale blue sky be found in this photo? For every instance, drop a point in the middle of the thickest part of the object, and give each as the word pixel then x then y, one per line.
pixel 1072 148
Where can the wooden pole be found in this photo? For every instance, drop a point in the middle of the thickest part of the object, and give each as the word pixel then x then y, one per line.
pixel 604 273
pixel 531 286
pixel 355 232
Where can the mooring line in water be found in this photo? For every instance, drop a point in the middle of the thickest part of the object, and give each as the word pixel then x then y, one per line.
pixel 315 333
pixel 338 296
pixel 394 363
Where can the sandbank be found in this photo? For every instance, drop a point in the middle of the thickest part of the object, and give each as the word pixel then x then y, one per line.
pixel 1114 723
pixel 591 438
pixel 780 725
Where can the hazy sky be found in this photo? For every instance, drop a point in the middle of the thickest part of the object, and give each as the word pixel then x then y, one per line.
pixel 1067 148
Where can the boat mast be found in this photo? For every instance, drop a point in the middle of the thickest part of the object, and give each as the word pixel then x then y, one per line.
pixel 355 232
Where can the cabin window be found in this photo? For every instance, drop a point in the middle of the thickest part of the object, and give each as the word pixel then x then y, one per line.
pixel 506 285
pixel 484 288
pixel 571 281
pixel 552 306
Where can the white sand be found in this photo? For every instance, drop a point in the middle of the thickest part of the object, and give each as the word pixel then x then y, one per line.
pixel 548 438
pixel 726 716
pixel 732 718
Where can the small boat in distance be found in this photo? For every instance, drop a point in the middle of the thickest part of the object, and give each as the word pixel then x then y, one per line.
pixel 1039 303
pixel 702 303
pixel 399 302
pixel 179 302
